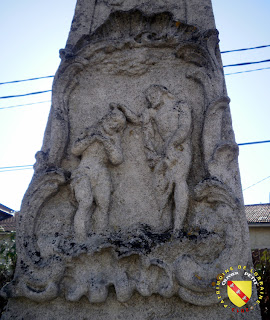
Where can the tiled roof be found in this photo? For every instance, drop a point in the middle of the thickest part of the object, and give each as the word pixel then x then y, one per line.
pixel 258 213
pixel 4 215
pixel 8 224
pixel 5 209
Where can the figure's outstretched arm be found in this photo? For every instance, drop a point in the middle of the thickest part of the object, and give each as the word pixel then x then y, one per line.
pixel 130 115
pixel 84 141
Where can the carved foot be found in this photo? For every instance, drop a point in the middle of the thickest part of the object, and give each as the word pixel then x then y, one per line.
pixel 176 232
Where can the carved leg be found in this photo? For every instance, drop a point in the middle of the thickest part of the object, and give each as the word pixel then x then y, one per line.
pixel 181 204
pixel 163 185
pixel 102 197
pixel 84 196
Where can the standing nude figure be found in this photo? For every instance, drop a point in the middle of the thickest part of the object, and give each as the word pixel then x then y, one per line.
pixel 167 132
pixel 91 181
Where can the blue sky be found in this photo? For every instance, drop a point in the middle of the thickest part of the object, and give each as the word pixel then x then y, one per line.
pixel 32 32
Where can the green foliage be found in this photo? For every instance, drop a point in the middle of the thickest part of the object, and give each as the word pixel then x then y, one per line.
pixel 8 259
pixel 261 261
pixel 8 255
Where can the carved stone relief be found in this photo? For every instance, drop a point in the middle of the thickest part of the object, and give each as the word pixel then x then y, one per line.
pixel 91 181
pixel 133 187
pixel 170 121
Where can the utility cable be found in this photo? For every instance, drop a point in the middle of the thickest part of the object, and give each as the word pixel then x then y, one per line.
pixel 25 94
pixel 15 168
pixel 31 79
pixel 248 143
pixel 30 165
pixel 27 165
pixel 245 63
pixel 228 74
pixel 256 183
pixel 44 77
pixel 22 105
pixel 244 49
pixel 18 169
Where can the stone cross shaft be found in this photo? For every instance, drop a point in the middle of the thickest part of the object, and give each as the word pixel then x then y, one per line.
pixel 135 206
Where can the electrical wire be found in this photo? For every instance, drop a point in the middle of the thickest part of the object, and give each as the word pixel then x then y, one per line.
pixel 229 74
pixel 22 105
pixel 25 94
pixel 256 183
pixel 244 49
pixel 248 143
pixel 246 63
pixel 19 169
pixel 15 168
pixel 31 79
pixel 30 165
pixel 222 52
pixel 27 165
pixel 226 74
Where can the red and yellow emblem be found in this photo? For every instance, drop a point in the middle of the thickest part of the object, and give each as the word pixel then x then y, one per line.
pixel 239 292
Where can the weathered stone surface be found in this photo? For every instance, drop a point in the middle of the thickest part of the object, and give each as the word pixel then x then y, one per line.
pixel 137 308
pixel 91 14
pixel 135 206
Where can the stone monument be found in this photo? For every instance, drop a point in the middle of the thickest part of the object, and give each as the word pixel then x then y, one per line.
pixel 135 208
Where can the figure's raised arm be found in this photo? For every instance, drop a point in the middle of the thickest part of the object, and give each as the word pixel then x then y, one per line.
pixel 130 115
pixel 84 141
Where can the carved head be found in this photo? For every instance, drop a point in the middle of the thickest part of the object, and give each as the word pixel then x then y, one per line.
pixel 114 121
pixel 155 95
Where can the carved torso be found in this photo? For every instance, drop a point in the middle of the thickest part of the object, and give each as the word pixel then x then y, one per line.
pixel 167 120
